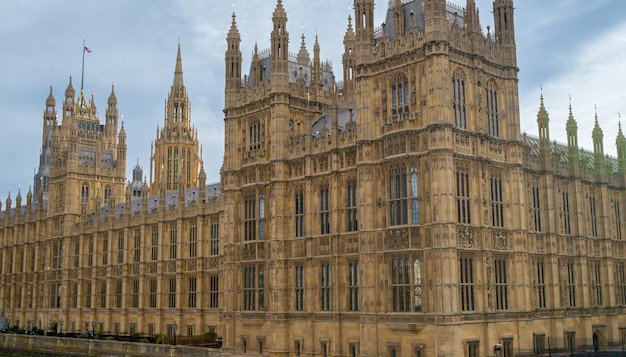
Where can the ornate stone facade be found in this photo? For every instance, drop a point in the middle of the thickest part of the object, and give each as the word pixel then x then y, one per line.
pixel 398 211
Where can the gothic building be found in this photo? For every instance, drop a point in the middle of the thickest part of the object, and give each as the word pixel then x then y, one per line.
pixel 398 212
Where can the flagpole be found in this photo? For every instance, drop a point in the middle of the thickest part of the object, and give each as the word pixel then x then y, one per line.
pixel 82 77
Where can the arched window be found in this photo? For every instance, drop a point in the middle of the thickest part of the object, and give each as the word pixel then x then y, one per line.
pixel 458 100
pixel 255 135
pixel 400 95
pixel 84 192
pixel 493 122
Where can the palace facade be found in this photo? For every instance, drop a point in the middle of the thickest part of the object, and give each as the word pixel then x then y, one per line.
pixel 399 212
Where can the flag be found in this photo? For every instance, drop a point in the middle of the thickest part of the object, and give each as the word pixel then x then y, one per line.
pixel 87 49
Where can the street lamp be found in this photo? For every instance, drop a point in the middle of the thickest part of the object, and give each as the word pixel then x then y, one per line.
pixel 32 325
pixel 93 328
pixel 61 326
pixel 174 329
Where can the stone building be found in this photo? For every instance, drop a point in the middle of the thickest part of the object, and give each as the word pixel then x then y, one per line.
pixel 399 212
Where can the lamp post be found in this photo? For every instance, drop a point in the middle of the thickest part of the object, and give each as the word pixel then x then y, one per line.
pixel 32 325
pixel 175 328
pixel 93 328
pixel 61 326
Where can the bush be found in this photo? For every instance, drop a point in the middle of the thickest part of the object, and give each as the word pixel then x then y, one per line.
pixel 211 336
pixel 159 338
pixel 144 340
pixel 109 338
pixel 135 336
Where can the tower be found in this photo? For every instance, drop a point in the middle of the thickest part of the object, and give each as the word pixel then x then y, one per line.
pixel 364 22
pixel 42 177
pixel 571 128
pixel 503 14
pixel 348 57
pixel 598 146
pixel 233 60
pixel 176 148
pixel 543 123
pixel 620 142
pixel 280 48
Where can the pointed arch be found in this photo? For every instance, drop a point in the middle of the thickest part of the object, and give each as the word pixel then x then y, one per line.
pixel 459 109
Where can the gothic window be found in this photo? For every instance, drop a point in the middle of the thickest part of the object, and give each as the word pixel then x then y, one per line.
pixel 170 158
pixel 299 203
pixel 193 240
pixel 171 294
pixel 214 291
pixel 108 196
pixel 249 217
pixel 352 210
pixel 567 228
pixel 255 135
pixel 192 292
pixel 415 219
pixel 103 294
pixel 324 209
pixel 134 287
pixel 466 272
pixel 118 293
pixel 153 293
pixel 215 237
pixel 539 343
pixel 463 194
pixel 536 210
pixel 254 288
pixel 620 270
pixel 493 121
pixel 262 216
pixel 497 203
pixel 137 246
pixel 593 216
pixel 596 282
pixel 472 348
pixel 400 95
pixel 120 247
pixel 617 218
pixel 398 205
pixel 353 286
pixel 154 249
pixel 501 285
pixel 458 100
pixel 570 283
pixel 541 284
pixel 299 288
pixel 507 347
pixel 105 251
pixel 174 177
pixel 326 291
pixel 173 241
pixel 90 253
pixel 87 295
pixel 406 279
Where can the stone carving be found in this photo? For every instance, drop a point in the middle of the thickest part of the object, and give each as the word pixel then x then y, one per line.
pixel 249 252
pixel 171 266
pixel 466 237
pixel 397 239
pixel 500 240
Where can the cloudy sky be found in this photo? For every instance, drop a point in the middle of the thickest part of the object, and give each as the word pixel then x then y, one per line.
pixel 570 47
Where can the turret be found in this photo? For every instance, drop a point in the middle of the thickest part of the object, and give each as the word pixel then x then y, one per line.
pixel 620 142
pixel 49 117
pixel 543 123
pixel 233 58
pixel 472 25
pixel 68 103
pixel 503 18
pixel 398 19
pixel 572 138
pixel 121 148
pixel 598 146
pixel 112 115
pixel 348 57
pixel 435 20
pixel 280 47
pixel 318 80
pixel 364 22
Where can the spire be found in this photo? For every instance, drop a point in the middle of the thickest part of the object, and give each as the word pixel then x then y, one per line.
pixel 69 91
pixel 471 17
pixel 233 58
pixel 543 123
pixel 178 72
pixel 303 56
pixel 620 142
pixel 112 101
pixel 572 136
pixel 50 101
pixel 598 146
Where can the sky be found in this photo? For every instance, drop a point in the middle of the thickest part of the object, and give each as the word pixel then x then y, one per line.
pixel 566 49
